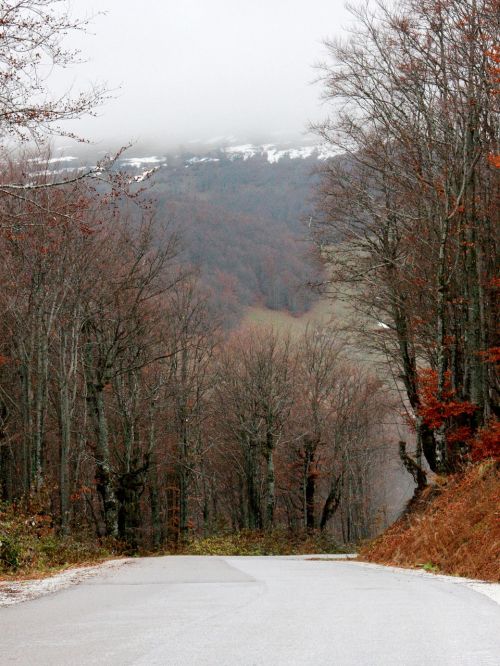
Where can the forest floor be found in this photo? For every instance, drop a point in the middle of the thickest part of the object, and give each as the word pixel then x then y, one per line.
pixel 453 528
pixel 31 546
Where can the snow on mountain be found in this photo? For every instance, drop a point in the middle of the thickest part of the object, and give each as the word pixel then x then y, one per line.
pixel 139 162
pixel 52 160
pixel 245 151
pixel 145 175
pixel 202 160
pixel 270 152
pixel 274 154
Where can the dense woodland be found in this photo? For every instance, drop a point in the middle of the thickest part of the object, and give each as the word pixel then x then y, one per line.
pixel 242 222
pixel 129 410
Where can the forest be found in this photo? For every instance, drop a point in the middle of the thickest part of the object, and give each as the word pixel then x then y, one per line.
pixel 243 225
pixel 130 411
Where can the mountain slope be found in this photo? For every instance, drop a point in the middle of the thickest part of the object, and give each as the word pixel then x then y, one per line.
pixel 453 527
pixel 241 211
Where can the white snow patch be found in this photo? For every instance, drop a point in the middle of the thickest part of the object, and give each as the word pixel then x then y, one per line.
pixel 14 592
pixel 274 154
pixel 138 162
pixel 380 324
pixel 144 175
pixel 52 160
pixel 326 152
pixel 244 151
pixel 202 160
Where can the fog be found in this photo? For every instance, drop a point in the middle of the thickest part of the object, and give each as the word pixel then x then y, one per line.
pixel 200 71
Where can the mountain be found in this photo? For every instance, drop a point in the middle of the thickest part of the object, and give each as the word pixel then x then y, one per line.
pixel 240 210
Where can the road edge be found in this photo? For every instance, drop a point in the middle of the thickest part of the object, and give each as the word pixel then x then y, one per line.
pixel 18 591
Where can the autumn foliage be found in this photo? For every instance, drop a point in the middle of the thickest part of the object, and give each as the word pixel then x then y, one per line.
pixel 452 528
pixel 447 411
pixel 456 414
pixel 486 443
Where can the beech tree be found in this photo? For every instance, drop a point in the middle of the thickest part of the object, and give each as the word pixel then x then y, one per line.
pixel 32 42
pixel 254 397
pixel 318 369
pixel 411 205
pixel 191 339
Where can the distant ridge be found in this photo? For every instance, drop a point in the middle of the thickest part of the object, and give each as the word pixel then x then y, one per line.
pixel 133 159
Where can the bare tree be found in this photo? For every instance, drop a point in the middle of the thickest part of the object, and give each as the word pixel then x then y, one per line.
pixel 254 397
pixel 408 215
pixel 32 43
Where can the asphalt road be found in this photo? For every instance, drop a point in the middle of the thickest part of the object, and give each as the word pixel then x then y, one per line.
pixel 256 610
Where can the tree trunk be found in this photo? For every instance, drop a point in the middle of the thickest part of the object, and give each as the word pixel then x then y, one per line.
pixel 104 481
pixel 270 484
pixel 310 488
pixel 332 501
pixel 65 434
pixel 254 512
pixel 40 407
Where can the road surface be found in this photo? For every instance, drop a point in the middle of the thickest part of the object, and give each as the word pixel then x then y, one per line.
pixel 189 611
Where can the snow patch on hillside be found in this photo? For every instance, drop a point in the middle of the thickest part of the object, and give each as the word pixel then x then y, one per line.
pixel 274 154
pixel 139 162
pixel 244 152
pixel 202 160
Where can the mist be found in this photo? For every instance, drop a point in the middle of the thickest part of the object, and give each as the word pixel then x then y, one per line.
pixel 201 72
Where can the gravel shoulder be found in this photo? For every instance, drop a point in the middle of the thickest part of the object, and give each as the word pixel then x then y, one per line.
pixel 16 591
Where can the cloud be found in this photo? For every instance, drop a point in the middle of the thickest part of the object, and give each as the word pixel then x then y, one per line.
pixel 196 69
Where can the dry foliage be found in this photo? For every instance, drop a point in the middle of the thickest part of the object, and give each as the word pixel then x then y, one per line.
pixel 259 542
pixel 453 528
pixel 30 545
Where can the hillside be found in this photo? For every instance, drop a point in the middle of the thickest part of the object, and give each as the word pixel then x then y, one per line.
pixel 241 213
pixel 452 528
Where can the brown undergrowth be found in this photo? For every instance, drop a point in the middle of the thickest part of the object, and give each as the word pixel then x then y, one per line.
pixel 30 546
pixel 257 542
pixel 452 528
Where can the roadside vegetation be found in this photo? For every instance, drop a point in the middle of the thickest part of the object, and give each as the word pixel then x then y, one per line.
pixel 31 545
pixel 452 527
pixel 276 542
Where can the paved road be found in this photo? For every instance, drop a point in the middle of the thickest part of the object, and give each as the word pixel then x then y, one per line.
pixel 239 611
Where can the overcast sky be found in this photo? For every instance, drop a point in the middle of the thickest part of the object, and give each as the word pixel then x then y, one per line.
pixel 195 70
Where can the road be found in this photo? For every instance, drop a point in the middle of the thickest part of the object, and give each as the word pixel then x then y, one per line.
pixel 189 611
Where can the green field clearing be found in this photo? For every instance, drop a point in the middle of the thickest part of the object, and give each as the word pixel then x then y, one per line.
pixel 322 312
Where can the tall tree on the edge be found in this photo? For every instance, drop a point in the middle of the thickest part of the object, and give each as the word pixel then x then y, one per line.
pixel 413 205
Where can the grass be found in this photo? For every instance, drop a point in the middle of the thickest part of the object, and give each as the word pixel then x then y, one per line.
pixel 453 528
pixel 321 312
pixel 248 542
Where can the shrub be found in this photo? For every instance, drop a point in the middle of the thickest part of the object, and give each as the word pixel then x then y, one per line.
pixel 257 542
pixel 10 553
